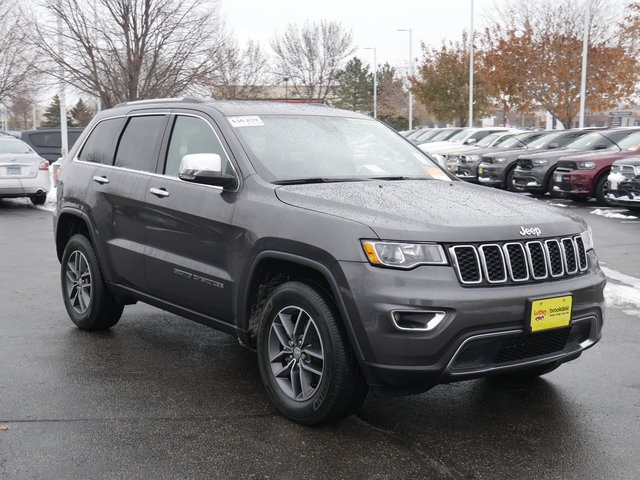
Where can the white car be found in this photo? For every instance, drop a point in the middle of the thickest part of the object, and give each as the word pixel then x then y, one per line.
pixel 23 173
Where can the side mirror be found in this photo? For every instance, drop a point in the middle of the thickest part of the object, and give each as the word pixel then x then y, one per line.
pixel 601 146
pixel 470 141
pixel 553 145
pixel 205 168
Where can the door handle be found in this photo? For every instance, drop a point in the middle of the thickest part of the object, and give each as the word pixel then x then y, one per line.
pixel 159 192
pixel 101 180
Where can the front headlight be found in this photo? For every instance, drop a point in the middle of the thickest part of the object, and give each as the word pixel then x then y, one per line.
pixel 499 160
pixel 587 239
pixel 403 255
pixel 637 170
pixel 586 165
pixel 540 162
pixel 472 158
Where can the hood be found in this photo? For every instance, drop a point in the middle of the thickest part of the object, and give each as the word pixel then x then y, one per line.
pixel 431 210
pixel 601 155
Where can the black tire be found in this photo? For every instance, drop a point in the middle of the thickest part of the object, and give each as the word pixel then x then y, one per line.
pixel 306 363
pixel 88 302
pixel 601 189
pixel 508 181
pixel 523 376
pixel 550 184
pixel 38 199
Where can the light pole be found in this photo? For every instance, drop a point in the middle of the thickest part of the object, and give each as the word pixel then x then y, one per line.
pixel 375 82
pixel 63 99
pixel 471 70
pixel 585 49
pixel 410 76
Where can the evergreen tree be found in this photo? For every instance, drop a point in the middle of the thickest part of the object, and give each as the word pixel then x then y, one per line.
pixel 355 87
pixel 52 115
pixel 81 114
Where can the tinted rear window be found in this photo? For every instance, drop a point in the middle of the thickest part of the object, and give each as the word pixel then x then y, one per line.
pixel 52 139
pixel 140 142
pixel 100 147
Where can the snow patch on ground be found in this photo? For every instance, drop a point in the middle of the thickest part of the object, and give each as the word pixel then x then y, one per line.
pixel 613 214
pixel 562 205
pixel 622 291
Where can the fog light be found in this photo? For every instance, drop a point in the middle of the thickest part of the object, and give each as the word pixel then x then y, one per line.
pixel 417 320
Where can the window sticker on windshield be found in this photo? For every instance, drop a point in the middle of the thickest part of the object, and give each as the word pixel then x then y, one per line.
pixel 248 121
pixel 435 172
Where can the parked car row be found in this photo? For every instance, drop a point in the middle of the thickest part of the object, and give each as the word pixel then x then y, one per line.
pixel 575 163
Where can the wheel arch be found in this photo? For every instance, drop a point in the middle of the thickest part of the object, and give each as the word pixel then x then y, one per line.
pixel 70 222
pixel 271 268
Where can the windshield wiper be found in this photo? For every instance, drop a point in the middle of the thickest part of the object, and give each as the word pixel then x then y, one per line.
pixel 301 181
pixel 399 177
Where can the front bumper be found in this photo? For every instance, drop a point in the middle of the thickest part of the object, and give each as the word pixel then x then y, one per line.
pixel 574 183
pixel 484 330
pixel 530 180
pixel 493 175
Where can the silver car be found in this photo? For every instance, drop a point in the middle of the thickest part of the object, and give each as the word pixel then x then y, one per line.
pixel 23 173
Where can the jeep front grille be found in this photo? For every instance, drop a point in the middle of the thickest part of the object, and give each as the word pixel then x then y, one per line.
pixel 518 262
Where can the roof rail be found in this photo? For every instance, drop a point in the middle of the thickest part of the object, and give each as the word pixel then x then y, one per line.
pixel 162 100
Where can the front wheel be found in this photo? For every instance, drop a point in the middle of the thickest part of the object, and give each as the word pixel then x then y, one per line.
pixel 602 189
pixel 88 302
pixel 306 363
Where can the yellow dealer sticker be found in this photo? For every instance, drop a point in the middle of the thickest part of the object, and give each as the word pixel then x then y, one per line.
pixel 551 313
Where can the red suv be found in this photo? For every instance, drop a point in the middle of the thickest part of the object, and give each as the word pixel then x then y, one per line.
pixel 585 176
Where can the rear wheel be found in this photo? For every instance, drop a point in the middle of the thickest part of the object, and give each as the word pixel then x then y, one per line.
pixel 88 302
pixel 306 363
pixel 38 199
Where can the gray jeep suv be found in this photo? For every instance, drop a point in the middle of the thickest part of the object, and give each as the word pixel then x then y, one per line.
pixel 326 242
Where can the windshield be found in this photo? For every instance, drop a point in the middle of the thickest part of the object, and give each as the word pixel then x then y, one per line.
pixel 443 135
pixel 632 142
pixel 461 136
pixel 299 148
pixel 424 136
pixel 589 141
pixel 518 141
pixel 494 139
pixel 15 147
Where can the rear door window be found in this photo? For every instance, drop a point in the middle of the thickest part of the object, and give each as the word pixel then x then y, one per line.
pixel 100 147
pixel 140 143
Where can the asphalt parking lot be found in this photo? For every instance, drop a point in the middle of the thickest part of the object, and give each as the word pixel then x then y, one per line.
pixel 161 397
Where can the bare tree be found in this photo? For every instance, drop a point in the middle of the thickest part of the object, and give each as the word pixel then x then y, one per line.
pixel 312 56
pixel 121 50
pixel 243 73
pixel 16 58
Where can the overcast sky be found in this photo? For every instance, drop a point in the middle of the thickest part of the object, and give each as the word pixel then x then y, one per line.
pixel 373 23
